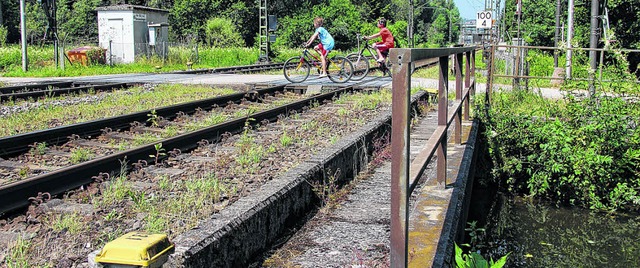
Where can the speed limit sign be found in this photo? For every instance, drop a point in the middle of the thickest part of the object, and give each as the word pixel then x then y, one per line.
pixel 484 20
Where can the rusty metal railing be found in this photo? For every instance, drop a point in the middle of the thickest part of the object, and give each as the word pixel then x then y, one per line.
pixel 405 175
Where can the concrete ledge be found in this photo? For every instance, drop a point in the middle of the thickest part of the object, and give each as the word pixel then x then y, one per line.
pixel 438 217
pixel 248 227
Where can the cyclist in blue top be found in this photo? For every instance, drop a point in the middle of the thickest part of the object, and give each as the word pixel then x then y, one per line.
pixel 326 43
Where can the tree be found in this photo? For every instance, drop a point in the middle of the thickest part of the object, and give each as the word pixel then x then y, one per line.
pixel 78 19
pixel 187 17
pixel 221 32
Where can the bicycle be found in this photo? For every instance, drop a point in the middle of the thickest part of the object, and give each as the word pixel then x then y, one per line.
pixel 296 69
pixel 362 62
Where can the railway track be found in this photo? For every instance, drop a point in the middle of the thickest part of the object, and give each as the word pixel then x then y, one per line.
pixel 30 180
pixel 57 88
pixel 50 89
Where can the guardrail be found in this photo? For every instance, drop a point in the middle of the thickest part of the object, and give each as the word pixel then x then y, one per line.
pixel 405 175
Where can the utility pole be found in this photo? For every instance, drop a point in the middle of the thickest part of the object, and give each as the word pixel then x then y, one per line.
pixel 555 40
pixel 593 44
pixel 410 25
pixel 1 19
pixel 569 38
pixel 263 33
pixel 450 19
pixel 23 35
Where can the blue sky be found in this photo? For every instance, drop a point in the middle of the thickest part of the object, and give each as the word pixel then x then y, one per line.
pixel 469 8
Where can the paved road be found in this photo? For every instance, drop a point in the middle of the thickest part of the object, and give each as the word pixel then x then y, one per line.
pixel 236 79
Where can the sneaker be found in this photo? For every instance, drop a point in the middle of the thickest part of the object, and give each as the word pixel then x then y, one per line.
pixel 380 60
pixel 322 76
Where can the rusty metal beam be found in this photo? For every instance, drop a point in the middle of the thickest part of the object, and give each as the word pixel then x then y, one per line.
pixel 443 105
pixel 401 168
pixel 401 87
pixel 458 71
pixel 467 83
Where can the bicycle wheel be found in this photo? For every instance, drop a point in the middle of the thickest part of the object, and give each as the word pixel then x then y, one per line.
pixel 296 69
pixel 340 69
pixel 360 66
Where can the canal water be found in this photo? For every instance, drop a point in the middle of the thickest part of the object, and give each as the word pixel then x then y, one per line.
pixel 539 234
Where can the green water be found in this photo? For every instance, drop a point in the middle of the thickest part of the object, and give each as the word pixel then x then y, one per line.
pixel 543 235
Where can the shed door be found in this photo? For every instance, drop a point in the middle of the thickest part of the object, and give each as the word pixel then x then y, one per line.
pixel 116 34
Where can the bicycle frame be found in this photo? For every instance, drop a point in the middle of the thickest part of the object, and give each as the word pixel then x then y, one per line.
pixel 316 61
pixel 339 69
pixel 367 47
pixel 373 55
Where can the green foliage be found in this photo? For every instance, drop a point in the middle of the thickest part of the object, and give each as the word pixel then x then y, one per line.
pixel 71 223
pixel 475 260
pixel 582 152
pixel 187 17
pixel 3 35
pixel 78 18
pixel 221 32
pixel 80 155
pixel 18 253
pixel 36 22
pixel 96 55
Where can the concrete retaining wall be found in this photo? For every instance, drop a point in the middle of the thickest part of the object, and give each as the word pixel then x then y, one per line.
pixel 251 225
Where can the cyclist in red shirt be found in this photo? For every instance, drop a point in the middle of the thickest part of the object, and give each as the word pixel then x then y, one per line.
pixel 387 40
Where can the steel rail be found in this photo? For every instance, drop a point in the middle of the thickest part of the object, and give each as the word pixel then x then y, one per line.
pixel 233 69
pixel 16 195
pixel 42 86
pixel 16 144
pixel 61 91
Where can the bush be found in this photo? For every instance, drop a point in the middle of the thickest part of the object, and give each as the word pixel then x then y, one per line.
pixel 3 36
pixel 580 152
pixel 221 32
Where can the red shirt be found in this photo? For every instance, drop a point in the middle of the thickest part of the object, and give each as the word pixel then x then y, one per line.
pixel 387 37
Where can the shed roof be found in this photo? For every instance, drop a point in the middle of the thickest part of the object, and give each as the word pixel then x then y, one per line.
pixel 130 7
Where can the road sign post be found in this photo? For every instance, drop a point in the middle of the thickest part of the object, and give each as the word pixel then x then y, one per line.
pixel 484 20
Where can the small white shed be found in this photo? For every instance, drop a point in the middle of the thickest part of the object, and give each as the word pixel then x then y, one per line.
pixel 127 31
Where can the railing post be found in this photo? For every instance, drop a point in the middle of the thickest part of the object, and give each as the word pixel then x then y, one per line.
pixel 473 73
pixel 467 83
pixel 443 111
pixel 400 153
pixel 458 127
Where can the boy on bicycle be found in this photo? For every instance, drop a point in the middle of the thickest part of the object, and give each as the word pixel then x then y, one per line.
pixel 387 40
pixel 326 43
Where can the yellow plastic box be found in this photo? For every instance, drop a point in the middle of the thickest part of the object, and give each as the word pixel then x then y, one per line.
pixel 136 249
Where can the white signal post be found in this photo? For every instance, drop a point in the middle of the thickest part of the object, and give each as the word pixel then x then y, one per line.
pixel 484 20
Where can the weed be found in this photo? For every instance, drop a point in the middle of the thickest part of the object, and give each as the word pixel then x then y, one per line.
pixel 144 138
pixel 474 259
pixel 476 235
pixel 170 131
pixel 140 200
pixel 72 223
pixel 214 119
pixel 18 254
pixel 164 183
pixel 159 152
pixel 153 119
pixel 113 215
pixel 155 223
pixel 80 155
pixel 285 140
pixel 39 148
pixel 24 171
pixel 272 149
pixel 344 112
pixel 115 192
pixel 327 188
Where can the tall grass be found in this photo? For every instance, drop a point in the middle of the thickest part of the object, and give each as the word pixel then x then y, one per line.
pixel 42 64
